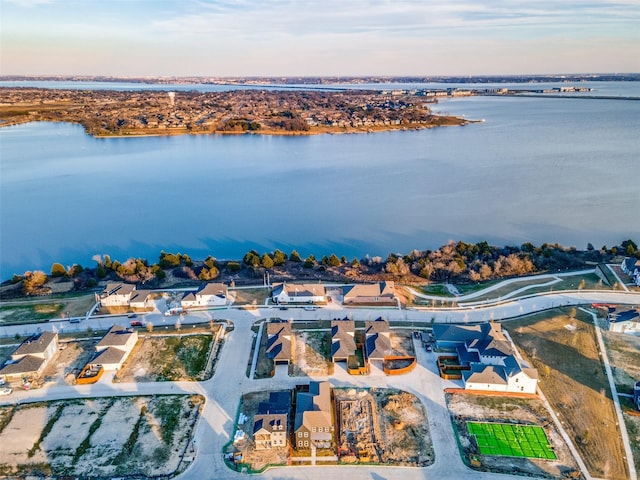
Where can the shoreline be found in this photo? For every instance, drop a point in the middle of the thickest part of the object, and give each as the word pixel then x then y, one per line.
pixel 454 122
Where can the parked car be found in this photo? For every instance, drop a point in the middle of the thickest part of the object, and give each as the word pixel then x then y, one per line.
pixel 74 320
pixel 133 315
pixel 428 347
pixel 135 323
pixel 284 308
pixel 310 307
pixel 6 391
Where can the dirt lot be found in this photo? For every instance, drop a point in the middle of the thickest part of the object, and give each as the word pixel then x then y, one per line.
pixel 402 343
pixel 71 359
pixel 103 437
pixel 390 425
pixel 250 296
pixel 624 354
pixel 561 344
pixel 469 407
pixel 168 358
pixel 312 354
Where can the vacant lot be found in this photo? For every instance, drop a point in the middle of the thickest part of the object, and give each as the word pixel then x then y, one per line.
pixel 466 408
pixel 168 358
pixel 38 310
pixel 102 437
pixel 250 296
pixel 72 357
pixel 561 344
pixel 624 354
pixel 312 354
pixel 402 342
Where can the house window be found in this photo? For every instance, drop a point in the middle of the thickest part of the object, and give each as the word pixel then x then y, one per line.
pixel 326 429
pixel 306 443
pixel 300 444
pixel 306 434
pixel 313 429
pixel 299 434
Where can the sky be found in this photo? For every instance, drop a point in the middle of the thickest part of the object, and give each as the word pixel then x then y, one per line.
pixel 318 37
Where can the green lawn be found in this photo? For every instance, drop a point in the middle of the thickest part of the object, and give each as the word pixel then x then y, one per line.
pixel 511 440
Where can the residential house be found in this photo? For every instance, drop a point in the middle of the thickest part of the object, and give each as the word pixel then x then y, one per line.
pixel 485 343
pixel 279 342
pixel 631 266
pixel 513 376
pixel 343 343
pixel 114 348
pixel 271 423
pixel 31 357
pixel 490 356
pixel 313 425
pixel 298 293
pixel 140 299
pixel 209 295
pixel 627 321
pixel 377 339
pixel 116 295
pixel 383 293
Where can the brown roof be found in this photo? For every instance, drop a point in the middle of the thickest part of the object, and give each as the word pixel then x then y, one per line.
pixel 28 364
pixel 313 408
pixel 213 289
pixel 118 289
pixel 36 344
pixel 343 342
pixel 109 356
pixel 279 340
pixel 117 336
pixel 376 326
pixel 370 291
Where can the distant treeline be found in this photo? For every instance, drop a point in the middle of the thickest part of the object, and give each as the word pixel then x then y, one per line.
pixel 456 262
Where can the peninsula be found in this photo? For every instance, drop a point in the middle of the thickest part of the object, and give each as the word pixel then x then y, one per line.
pixel 270 112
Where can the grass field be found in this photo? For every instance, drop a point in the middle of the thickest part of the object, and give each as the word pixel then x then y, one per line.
pixel 511 440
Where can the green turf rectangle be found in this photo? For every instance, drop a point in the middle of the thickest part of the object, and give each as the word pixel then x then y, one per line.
pixel 503 439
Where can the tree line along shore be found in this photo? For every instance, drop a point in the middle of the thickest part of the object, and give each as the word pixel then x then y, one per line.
pixel 148 112
pixel 456 262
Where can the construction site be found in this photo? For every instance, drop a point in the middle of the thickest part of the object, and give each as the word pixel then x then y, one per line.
pixel 382 426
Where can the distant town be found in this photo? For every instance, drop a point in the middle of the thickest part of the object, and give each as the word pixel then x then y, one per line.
pixel 319 109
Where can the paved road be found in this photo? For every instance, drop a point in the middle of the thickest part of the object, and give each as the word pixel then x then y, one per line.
pixel 224 389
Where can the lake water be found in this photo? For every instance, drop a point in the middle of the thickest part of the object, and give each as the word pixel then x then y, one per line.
pixel 539 170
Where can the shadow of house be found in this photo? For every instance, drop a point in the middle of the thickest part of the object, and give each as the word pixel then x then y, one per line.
pixel 31 358
pixel 279 342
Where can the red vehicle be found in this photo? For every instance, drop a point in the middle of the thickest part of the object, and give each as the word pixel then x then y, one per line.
pixel 136 323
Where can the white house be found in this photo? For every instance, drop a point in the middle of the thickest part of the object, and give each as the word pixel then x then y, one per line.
pixel 515 376
pixel 140 299
pixel 209 295
pixel 114 348
pixel 116 295
pixel 31 357
pixel 298 293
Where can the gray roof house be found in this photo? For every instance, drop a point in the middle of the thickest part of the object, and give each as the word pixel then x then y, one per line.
pixel 343 343
pixel 377 341
pixel 279 342
pixel 32 356
pixel 271 423
pixel 313 425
